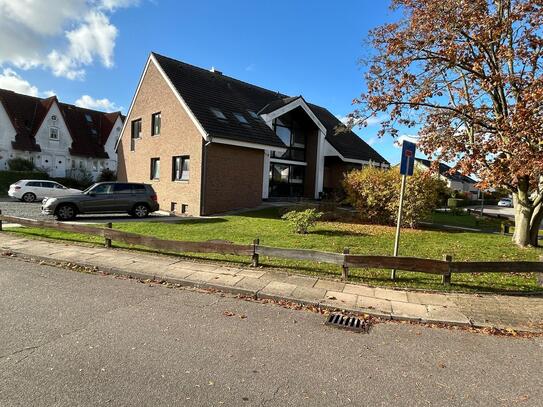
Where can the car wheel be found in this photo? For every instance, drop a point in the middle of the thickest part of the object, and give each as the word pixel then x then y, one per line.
pixel 29 197
pixel 65 212
pixel 140 211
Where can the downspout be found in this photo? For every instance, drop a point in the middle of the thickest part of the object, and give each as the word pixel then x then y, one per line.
pixel 204 172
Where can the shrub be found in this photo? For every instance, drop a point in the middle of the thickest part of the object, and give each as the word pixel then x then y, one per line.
pixel 71 183
pixel 107 175
pixel 375 194
pixel 21 164
pixel 301 221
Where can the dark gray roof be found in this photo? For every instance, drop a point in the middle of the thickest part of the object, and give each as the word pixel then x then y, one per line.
pixel 444 170
pixel 202 90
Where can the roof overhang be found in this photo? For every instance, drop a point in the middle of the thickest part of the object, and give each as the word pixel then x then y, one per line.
pixel 220 140
pixel 298 102
pixel 330 151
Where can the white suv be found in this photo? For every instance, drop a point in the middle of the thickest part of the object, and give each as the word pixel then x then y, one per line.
pixel 30 190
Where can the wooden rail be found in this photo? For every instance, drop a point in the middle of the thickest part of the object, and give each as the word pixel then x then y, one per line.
pixel 445 267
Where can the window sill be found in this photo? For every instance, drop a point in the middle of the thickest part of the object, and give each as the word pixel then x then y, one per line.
pixel 181 181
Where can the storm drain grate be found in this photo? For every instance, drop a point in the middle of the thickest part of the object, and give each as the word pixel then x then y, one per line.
pixel 348 322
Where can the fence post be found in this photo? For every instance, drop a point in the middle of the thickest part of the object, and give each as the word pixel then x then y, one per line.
pixel 256 242
pixel 345 268
pixel 109 225
pixel 0 220
pixel 446 278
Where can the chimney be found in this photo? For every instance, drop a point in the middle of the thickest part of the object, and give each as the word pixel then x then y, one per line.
pixel 215 70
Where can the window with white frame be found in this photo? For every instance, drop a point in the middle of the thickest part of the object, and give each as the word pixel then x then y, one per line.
pixel 180 168
pixel 53 133
pixel 155 124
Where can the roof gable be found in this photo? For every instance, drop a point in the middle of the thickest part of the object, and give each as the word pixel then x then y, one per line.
pixel 27 114
pixel 445 171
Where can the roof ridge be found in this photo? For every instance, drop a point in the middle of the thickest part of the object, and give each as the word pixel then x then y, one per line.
pixel 245 83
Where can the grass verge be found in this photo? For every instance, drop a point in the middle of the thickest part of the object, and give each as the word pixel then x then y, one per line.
pixel 334 236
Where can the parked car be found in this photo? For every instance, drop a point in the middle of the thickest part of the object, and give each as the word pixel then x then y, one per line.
pixel 30 190
pixel 506 202
pixel 104 197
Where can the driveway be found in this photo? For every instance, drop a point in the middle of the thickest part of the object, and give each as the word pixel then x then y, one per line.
pixel 72 339
pixel 33 211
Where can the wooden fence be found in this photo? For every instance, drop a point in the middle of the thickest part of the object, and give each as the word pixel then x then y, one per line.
pixel 345 260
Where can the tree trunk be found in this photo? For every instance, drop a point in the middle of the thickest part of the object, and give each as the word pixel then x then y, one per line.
pixel 535 223
pixel 523 215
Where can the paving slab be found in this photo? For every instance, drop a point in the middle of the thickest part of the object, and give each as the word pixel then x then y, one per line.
pixel 392 295
pixel 177 273
pixel 359 290
pixel 201 276
pixel 301 281
pixel 309 293
pixel 340 299
pixel 437 313
pixel 406 310
pixel 251 283
pixel 433 299
pixel 226 279
pixel 372 303
pixel 251 273
pixel 278 288
pixel 330 285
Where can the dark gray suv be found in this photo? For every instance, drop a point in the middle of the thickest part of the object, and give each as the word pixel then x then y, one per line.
pixel 104 197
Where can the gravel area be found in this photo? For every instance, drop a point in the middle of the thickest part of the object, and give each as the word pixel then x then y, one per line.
pixel 13 207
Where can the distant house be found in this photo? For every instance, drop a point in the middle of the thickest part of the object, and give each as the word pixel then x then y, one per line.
pixel 61 139
pixel 455 181
pixel 210 143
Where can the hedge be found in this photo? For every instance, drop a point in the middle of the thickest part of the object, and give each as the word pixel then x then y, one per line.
pixel 9 177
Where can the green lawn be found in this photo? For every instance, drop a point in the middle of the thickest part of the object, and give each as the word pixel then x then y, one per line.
pixel 334 236
pixel 464 219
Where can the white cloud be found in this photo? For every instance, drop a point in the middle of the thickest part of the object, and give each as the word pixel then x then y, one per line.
pixel 9 79
pixel 89 102
pixel 64 36
pixel 406 137
pixel 250 67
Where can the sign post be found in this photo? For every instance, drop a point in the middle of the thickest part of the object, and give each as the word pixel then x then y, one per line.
pixel 407 166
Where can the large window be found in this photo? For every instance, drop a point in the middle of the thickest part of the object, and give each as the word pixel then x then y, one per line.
pixel 155 168
pixel 180 168
pixel 155 124
pixel 286 180
pixel 290 133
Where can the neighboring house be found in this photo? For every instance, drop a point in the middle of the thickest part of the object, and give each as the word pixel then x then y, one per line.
pixel 210 143
pixel 61 139
pixel 455 181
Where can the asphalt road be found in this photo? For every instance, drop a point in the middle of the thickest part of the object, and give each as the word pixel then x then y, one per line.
pixel 69 339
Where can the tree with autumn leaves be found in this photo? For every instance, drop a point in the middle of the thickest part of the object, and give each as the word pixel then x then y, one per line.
pixel 467 74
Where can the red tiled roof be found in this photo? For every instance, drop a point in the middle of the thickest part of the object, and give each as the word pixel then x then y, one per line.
pixel 28 112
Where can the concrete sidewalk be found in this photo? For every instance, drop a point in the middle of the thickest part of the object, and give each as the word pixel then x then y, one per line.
pixel 523 313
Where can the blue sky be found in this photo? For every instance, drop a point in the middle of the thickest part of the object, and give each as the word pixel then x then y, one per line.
pixel 98 48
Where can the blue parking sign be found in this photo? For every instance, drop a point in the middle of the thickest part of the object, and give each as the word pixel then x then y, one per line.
pixel 408 158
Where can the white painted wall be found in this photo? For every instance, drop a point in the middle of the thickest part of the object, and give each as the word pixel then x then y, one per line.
pixel 7 135
pixel 110 145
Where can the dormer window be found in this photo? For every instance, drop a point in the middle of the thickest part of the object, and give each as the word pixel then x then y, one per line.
pixel 218 114
pixel 253 114
pixel 241 118
pixel 53 133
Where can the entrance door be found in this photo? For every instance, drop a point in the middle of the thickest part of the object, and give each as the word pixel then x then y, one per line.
pixel 59 166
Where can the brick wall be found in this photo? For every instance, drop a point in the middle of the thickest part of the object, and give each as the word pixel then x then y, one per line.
pixel 178 136
pixel 233 178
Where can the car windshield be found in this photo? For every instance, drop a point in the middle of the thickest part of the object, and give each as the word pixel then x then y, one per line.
pixel 89 188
